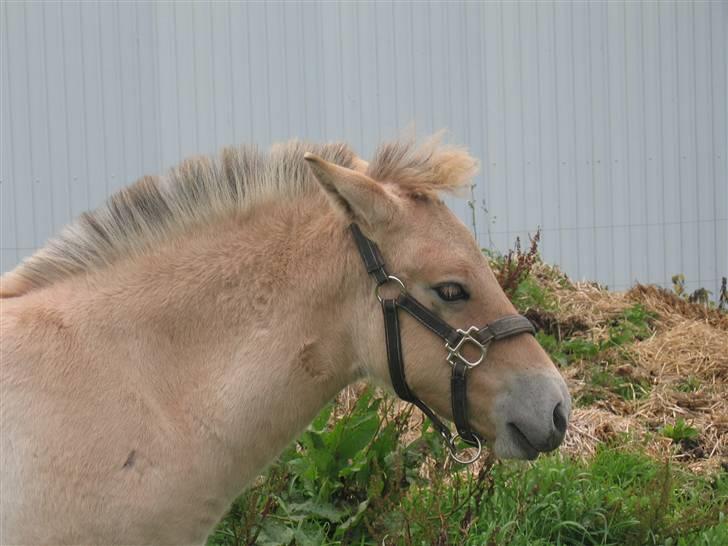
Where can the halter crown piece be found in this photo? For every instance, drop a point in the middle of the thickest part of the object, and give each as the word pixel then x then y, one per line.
pixel 455 341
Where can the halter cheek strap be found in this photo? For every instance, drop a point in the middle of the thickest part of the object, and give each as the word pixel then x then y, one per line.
pixel 455 341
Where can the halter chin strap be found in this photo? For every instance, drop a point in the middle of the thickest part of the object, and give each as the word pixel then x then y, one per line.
pixel 455 341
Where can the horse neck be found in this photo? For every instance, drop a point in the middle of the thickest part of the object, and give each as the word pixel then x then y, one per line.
pixel 243 327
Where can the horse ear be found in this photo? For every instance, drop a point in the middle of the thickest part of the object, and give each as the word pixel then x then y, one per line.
pixel 353 193
pixel 358 164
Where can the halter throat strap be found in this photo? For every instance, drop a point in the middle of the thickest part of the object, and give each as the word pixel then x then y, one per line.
pixel 454 340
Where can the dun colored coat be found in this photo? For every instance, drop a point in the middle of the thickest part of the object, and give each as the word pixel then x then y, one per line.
pixel 161 350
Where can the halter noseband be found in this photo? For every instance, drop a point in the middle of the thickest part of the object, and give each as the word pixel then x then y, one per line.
pixel 455 341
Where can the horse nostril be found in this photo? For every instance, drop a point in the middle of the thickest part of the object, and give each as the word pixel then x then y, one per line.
pixel 560 419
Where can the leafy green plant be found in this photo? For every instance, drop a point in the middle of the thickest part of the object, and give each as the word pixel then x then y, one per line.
pixel 551 345
pixel 325 487
pixel 529 294
pixel 689 384
pixel 604 382
pixel 356 480
pixel 581 349
pixel 701 296
pixel 569 350
pixel 678 284
pixel 680 431
pixel 633 324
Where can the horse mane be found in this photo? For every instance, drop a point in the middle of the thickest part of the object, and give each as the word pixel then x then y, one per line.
pixel 426 170
pixel 203 190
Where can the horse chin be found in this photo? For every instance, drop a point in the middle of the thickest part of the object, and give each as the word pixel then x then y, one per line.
pixel 508 446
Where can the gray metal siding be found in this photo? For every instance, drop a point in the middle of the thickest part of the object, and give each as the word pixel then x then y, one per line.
pixel 602 122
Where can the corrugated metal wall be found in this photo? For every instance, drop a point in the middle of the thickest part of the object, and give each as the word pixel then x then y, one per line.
pixel 602 122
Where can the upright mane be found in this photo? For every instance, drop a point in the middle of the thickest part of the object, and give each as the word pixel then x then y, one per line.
pixel 203 190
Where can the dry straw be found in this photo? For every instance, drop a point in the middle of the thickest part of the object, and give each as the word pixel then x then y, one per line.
pixel 684 361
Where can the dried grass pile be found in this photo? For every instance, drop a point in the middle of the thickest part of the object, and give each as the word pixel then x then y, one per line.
pixel 681 367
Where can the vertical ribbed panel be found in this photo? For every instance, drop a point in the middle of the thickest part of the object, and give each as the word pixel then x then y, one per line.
pixel 602 122
pixel 9 254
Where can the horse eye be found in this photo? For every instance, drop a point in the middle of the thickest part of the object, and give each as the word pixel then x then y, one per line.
pixel 451 291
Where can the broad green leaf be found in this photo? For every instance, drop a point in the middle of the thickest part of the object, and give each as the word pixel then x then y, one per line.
pixel 358 436
pixel 320 509
pixel 275 533
pixel 322 419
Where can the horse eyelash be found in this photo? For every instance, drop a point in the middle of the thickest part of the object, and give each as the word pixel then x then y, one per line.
pixel 465 295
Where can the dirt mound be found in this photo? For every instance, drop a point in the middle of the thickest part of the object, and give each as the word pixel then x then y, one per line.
pixel 671 306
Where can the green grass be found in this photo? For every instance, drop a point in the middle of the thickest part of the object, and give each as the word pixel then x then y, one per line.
pixel 354 481
pixel 618 498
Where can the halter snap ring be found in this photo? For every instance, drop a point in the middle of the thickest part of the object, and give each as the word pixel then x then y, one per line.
pixel 464 460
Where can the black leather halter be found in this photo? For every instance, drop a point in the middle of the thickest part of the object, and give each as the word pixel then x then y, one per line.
pixel 455 341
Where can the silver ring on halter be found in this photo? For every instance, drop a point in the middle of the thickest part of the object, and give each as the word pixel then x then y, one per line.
pixel 390 278
pixel 464 460
pixel 467 337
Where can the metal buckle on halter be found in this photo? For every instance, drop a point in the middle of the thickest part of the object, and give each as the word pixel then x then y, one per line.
pixel 466 337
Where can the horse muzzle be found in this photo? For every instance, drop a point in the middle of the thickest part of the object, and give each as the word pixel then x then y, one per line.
pixel 532 415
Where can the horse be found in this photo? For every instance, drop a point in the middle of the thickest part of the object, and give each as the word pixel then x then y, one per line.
pixel 162 349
